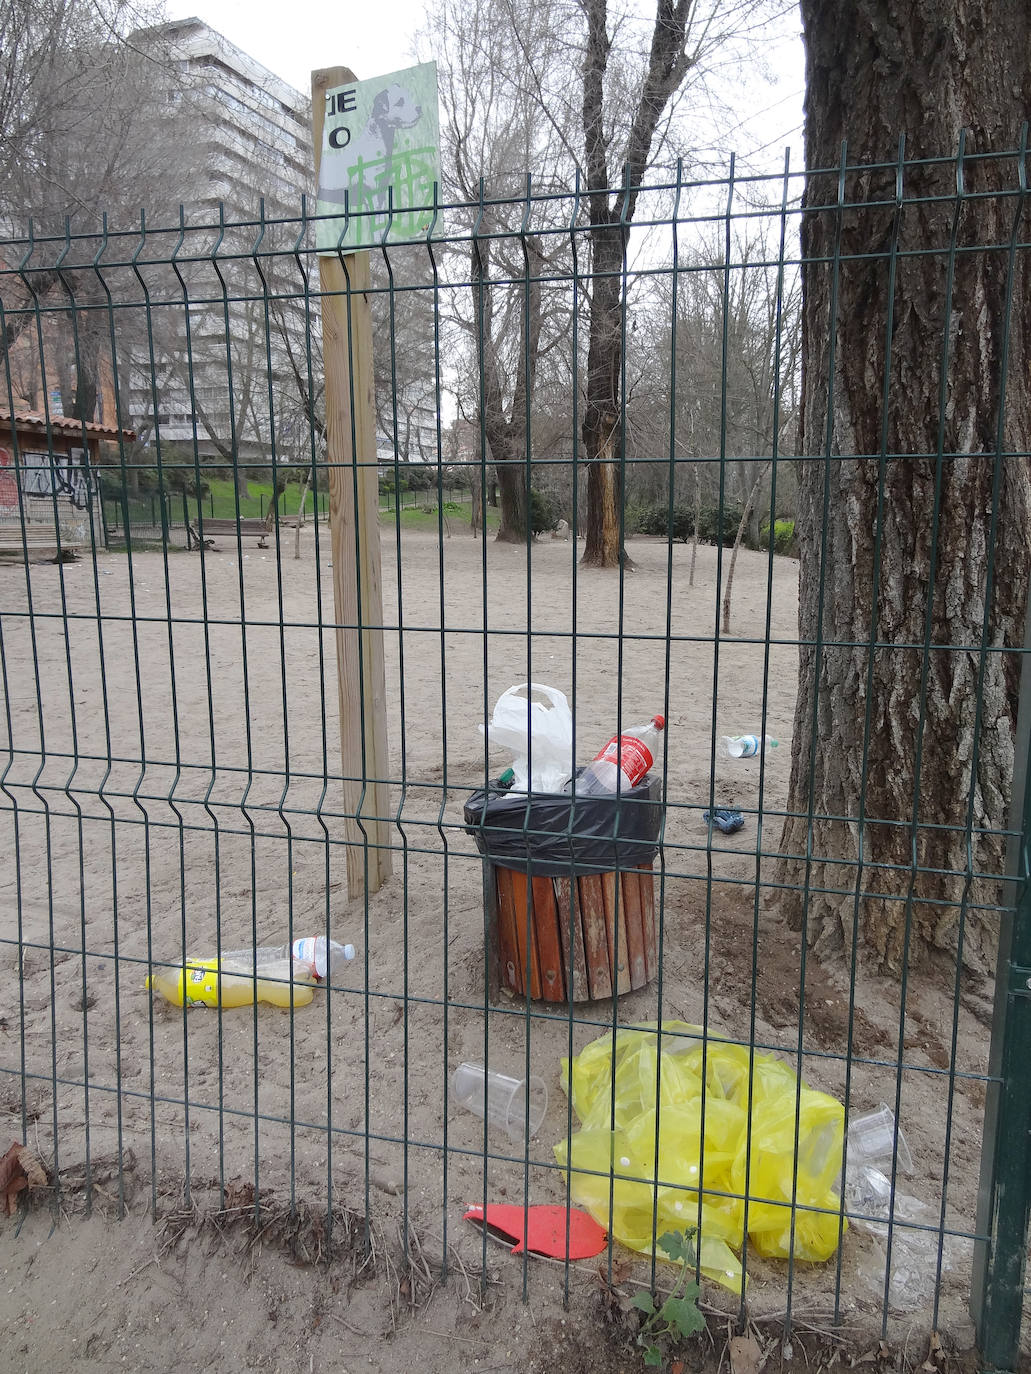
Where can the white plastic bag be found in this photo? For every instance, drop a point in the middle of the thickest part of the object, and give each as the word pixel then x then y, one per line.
pixel 548 723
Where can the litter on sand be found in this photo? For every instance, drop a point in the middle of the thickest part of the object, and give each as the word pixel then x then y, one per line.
pixel 725 819
pixel 726 1135
pixel 545 1227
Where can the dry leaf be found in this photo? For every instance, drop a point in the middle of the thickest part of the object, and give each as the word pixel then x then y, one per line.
pixel 13 1178
pixel 239 1194
pixel 745 1355
pixel 35 1169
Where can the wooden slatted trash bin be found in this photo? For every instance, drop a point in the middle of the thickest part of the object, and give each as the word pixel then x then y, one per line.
pixel 570 887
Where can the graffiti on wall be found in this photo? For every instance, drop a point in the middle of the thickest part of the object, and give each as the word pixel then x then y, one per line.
pixel 45 475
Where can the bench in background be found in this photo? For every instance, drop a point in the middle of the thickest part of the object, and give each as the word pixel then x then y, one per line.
pixel 246 527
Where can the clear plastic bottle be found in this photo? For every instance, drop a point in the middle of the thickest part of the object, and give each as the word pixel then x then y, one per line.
pixel 623 762
pixel 283 975
pixel 324 956
pixel 745 746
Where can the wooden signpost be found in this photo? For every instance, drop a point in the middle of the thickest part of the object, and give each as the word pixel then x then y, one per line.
pixel 354 530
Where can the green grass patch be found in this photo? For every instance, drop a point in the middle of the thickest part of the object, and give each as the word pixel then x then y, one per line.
pixel 425 517
pixel 220 503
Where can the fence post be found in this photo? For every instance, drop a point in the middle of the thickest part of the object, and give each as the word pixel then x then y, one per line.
pixel 344 283
pixel 1004 1193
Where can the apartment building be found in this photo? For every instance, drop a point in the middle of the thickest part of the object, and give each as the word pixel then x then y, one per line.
pixel 226 381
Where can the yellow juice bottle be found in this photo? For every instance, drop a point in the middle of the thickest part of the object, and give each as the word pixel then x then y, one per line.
pixel 285 976
pixel 200 982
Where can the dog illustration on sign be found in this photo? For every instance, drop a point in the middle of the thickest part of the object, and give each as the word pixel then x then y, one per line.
pixel 366 166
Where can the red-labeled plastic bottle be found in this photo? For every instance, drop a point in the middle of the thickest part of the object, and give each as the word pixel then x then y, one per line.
pixel 624 761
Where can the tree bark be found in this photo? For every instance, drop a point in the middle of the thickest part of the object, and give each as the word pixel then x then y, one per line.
pixel 87 373
pixel 902 615
pixel 512 494
pixel 507 428
pixel 600 429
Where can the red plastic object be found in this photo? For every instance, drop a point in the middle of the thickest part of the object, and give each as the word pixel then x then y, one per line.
pixel 545 1227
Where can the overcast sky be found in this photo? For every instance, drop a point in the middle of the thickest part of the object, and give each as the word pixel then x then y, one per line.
pixel 292 38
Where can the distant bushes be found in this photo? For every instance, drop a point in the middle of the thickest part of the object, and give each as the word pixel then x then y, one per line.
pixel 678 524
pixel 715 524
pixel 784 540
pixel 544 511
pixel 148 481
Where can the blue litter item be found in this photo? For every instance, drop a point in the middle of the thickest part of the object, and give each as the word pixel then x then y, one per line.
pixel 726 819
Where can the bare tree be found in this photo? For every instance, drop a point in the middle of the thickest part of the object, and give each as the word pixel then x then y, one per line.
pixel 668 65
pixel 495 127
pixel 85 146
pixel 511 104
pixel 728 403
pixel 625 116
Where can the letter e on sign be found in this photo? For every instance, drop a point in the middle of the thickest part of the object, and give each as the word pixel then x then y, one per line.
pixel 341 102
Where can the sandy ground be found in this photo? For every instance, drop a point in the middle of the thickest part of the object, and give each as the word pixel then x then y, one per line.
pixel 220 675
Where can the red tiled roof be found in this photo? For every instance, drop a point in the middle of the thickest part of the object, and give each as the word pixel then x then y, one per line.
pixel 61 424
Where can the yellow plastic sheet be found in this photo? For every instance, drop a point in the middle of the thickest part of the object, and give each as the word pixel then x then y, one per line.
pixel 696 1188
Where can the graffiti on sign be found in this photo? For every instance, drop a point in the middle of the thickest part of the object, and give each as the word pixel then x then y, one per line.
pixel 380 160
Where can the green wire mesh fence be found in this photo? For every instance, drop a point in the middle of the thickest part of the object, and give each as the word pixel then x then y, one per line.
pixel 173 786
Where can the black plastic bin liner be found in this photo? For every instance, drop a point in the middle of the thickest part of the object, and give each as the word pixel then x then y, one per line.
pixel 594 834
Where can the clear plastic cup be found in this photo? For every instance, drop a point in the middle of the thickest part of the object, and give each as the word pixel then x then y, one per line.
pixel 512 1103
pixel 873 1137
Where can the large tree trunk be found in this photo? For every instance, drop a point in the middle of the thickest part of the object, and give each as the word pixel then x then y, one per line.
pixel 892 809
pixel 513 525
pixel 87 382
pixel 507 432
pixel 604 499
pixel 604 403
